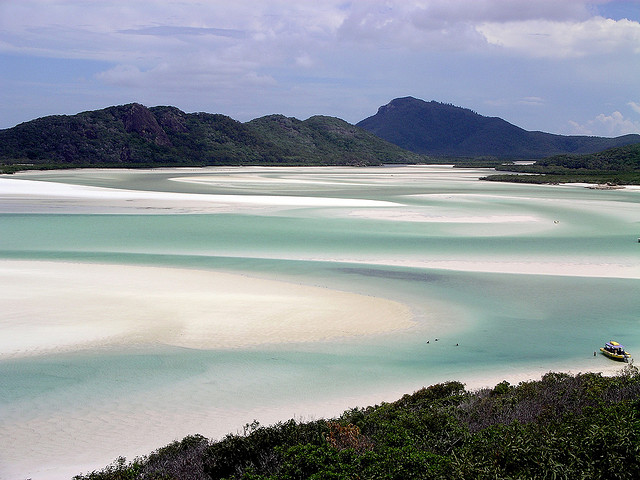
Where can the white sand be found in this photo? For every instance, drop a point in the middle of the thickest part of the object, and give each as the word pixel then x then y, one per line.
pixel 407 214
pixel 17 195
pixel 50 306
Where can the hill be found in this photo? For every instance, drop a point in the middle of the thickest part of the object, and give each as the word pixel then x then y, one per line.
pixel 330 140
pixel 562 426
pixel 136 136
pixel 434 128
pixel 615 166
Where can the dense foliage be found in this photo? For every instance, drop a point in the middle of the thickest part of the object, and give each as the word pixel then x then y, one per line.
pixel 435 128
pixel 615 166
pixel 135 136
pixel 562 426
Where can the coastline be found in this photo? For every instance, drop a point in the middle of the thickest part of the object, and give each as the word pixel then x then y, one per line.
pixel 90 453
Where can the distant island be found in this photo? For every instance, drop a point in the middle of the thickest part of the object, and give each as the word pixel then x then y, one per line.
pixel 405 131
pixel 562 426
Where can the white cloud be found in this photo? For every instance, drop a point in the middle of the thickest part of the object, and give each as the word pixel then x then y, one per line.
pixel 543 38
pixel 460 24
pixel 612 125
pixel 535 101
pixel 305 61
pixel 125 75
pixel 124 31
pixel 635 106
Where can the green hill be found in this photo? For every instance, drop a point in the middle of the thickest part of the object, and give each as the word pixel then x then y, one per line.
pixel 322 139
pixel 136 136
pixel 620 159
pixel 434 128
pixel 615 166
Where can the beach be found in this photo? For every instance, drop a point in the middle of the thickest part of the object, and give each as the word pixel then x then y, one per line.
pixel 139 307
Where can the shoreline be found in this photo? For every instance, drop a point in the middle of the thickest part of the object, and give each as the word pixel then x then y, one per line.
pixel 82 463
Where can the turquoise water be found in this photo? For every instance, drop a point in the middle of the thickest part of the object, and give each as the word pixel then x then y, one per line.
pixel 502 322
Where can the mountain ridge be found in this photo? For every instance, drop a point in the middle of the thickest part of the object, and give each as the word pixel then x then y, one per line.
pixel 133 135
pixel 406 130
pixel 441 129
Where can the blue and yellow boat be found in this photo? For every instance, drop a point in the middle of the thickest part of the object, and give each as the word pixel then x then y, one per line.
pixel 615 350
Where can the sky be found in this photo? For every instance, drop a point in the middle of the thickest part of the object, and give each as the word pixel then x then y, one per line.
pixel 560 66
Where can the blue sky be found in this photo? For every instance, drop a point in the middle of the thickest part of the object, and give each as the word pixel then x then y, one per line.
pixel 561 66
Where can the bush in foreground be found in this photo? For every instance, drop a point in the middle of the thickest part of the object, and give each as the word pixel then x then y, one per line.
pixel 562 426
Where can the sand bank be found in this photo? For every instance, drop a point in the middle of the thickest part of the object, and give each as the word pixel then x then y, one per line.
pixel 408 214
pixel 50 307
pixel 21 195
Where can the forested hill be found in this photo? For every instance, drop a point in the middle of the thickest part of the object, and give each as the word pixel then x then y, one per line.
pixel 622 159
pixel 136 136
pixel 615 166
pixel 404 131
pixel 434 128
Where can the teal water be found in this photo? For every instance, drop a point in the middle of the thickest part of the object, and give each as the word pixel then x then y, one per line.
pixel 502 323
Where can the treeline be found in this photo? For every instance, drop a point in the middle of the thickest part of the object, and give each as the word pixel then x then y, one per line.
pixel 616 166
pixel 562 426
pixel 134 136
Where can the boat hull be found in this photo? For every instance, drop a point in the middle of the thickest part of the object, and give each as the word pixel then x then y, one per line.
pixel 615 356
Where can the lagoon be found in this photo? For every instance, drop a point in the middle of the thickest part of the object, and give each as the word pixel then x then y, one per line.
pixel 142 306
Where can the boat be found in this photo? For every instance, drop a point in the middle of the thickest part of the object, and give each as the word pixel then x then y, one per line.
pixel 616 351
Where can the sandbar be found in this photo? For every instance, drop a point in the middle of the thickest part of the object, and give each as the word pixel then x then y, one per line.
pixel 34 196
pixel 50 307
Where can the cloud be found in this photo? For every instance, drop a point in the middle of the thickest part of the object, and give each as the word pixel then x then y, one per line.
pixel 472 24
pixel 612 125
pixel 267 55
pixel 259 35
pixel 536 101
pixel 178 30
pixel 635 106
pixel 544 38
pixel 124 75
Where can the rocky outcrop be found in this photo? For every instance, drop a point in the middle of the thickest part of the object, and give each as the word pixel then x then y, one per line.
pixel 137 118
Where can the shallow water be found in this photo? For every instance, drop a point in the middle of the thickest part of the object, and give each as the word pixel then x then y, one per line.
pixel 72 410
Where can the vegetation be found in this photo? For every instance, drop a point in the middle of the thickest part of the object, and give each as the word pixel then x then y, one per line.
pixel 134 136
pixel 403 132
pixel 562 426
pixel 439 129
pixel 616 166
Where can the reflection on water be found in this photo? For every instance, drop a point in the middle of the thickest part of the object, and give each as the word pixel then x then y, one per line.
pixel 486 323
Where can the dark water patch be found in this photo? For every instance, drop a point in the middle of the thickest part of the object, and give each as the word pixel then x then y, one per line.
pixel 392 274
